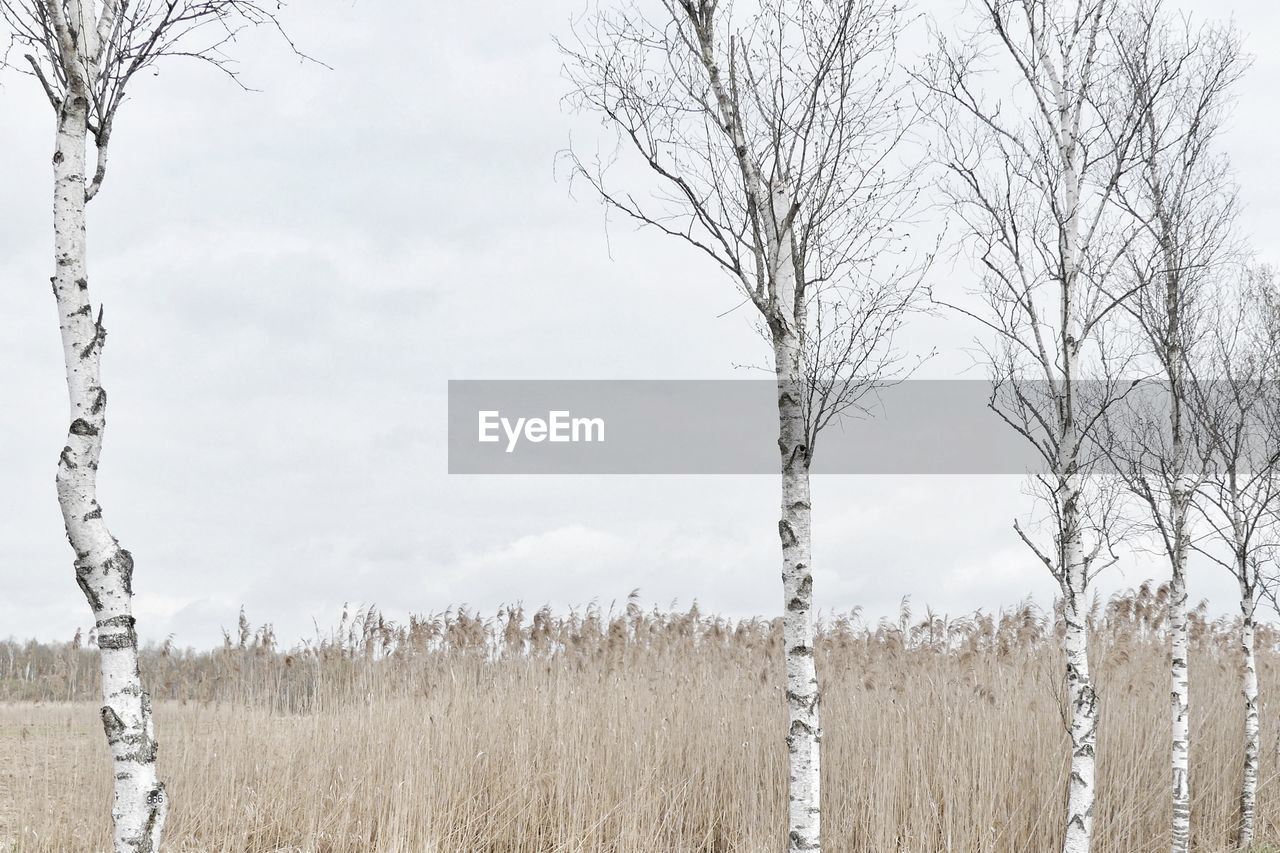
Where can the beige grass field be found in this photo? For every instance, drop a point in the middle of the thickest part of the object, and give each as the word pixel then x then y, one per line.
pixel 636 731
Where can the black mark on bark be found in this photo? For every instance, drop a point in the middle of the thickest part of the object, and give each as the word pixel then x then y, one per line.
pixel 117 633
pixel 112 724
pixel 82 580
pixel 122 562
pixel 99 337
pixel 786 534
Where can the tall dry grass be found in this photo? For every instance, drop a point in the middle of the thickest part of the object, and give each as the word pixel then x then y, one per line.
pixel 633 731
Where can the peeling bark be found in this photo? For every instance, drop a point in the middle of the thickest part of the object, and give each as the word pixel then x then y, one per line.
pixel 1073 567
pixel 804 729
pixel 1252 735
pixel 103 569
pixel 1180 688
pixel 1180 709
pixel 84 53
pixel 1172 349
pixel 1178 544
pixel 1081 785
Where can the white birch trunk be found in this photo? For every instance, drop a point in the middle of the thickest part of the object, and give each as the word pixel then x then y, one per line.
pixel 804 731
pixel 1072 564
pixel 1177 541
pixel 1252 738
pixel 103 569
pixel 1080 692
pixel 1180 703
pixel 1180 690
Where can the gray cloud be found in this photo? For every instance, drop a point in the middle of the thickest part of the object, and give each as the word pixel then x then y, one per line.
pixel 292 275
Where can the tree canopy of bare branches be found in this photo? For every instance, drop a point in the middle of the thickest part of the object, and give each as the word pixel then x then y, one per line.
pixel 1034 138
pixel 96 47
pixel 767 136
pixel 1181 198
pixel 1236 400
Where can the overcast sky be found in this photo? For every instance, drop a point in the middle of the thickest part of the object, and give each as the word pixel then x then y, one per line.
pixel 292 275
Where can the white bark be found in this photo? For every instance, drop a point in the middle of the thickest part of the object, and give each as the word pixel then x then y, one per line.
pixel 1178 543
pixel 1180 706
pixel 1172 349
pixel 1180 685
pixel 1252 737
pixel 103 569
pixel 1072 565
pixel 84 53
pixel 1081 785
pixel 804 729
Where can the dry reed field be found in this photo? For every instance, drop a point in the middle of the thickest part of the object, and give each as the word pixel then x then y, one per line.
pixel 634 731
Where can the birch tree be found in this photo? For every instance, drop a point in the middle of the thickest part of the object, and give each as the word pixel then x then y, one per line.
pixel 85 54
pixel 1238 400
pixel 767 136
pixel 1182 200
pixel 1034 141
